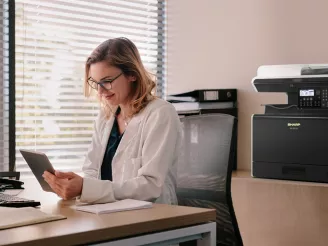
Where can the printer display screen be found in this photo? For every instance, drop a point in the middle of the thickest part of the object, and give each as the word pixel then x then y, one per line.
pixel 307 93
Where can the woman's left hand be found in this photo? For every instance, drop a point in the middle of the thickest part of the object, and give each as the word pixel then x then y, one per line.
pixel 66 185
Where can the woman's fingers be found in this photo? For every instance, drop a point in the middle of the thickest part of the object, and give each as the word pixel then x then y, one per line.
pixel 63 187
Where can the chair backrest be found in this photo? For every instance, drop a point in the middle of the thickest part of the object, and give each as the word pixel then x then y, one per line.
pixel 205 169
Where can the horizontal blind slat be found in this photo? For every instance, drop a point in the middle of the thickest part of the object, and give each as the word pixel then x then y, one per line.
pixel 112 7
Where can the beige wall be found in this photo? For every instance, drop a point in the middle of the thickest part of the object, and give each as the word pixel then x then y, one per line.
pixel 220 44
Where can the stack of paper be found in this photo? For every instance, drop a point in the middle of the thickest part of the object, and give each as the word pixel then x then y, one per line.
pixel 14 217
pixel 127 204
pixel 191 106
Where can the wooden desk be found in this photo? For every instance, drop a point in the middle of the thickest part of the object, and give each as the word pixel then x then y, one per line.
pixel 162 223
pixel 274 212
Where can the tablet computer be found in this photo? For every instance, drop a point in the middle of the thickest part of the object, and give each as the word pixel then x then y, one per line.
pixel 38 162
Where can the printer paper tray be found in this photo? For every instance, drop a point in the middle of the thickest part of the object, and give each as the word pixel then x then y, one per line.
pixel 313 173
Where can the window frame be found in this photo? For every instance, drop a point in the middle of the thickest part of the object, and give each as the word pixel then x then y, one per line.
pixel 12 88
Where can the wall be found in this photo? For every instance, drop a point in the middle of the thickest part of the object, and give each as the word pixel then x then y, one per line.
pixel 220 44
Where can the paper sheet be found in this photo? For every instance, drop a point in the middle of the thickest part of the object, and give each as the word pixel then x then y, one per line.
pixel 127 204
pixel 14 217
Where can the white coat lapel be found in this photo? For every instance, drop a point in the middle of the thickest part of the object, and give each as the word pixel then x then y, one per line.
pixel 105 135
pixel 130 133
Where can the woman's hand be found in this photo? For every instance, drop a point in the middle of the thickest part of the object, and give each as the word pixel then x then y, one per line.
pixel 66 185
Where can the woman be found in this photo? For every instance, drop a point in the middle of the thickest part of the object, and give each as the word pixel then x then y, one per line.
pixel 135 145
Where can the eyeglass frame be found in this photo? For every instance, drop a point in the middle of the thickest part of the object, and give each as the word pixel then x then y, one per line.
pixel 102 83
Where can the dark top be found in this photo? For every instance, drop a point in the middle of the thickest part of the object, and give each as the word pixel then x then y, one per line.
pixel 113 142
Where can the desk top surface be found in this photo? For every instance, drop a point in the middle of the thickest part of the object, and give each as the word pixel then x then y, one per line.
pixel 81 227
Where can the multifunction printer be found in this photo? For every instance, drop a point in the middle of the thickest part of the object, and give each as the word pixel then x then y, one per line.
pixel 290 141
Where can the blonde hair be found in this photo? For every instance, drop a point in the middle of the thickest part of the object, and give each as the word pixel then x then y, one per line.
pixel 123 54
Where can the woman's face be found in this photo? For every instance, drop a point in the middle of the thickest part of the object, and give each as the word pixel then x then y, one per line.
pixel 118 91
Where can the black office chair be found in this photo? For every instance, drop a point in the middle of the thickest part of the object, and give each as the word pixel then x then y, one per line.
pixel 205 169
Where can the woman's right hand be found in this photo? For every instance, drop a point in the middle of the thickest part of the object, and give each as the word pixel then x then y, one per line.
pixel 67 185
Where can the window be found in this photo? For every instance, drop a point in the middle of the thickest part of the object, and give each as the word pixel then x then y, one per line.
pixel 53 40
pixel 4 86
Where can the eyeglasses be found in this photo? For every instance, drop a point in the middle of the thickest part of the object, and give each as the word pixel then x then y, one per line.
pixel 106 84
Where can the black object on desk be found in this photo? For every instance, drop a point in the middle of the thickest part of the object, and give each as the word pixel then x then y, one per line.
pixel 7 200
pixel 17 202
pixel 10 184
pixel 6 181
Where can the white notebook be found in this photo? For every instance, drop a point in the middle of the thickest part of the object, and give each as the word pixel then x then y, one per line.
pixel 123 205
pixel 14 217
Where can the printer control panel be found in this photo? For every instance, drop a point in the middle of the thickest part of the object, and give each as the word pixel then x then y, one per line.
pixel 324 98
pixel 313 98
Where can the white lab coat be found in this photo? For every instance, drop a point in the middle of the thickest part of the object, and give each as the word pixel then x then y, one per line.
pixel 145 163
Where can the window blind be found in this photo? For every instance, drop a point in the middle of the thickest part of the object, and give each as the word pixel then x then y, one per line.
pixel 4 86
pixel 53 40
